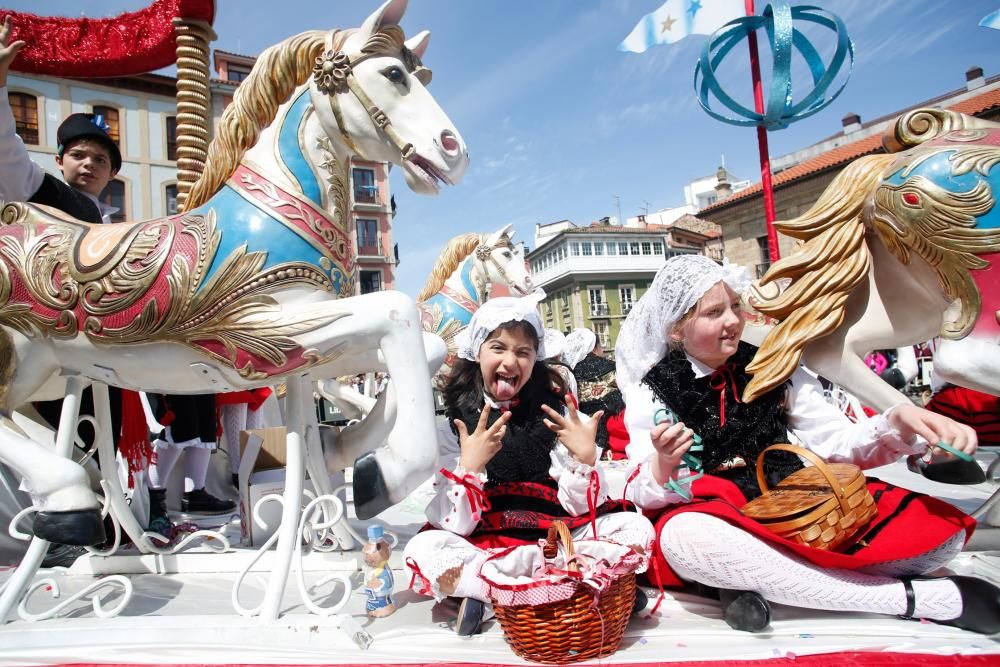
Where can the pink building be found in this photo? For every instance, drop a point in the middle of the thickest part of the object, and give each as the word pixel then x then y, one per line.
pixel 372 210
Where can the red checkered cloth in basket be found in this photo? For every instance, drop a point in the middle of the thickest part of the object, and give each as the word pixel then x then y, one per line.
pixel 523 576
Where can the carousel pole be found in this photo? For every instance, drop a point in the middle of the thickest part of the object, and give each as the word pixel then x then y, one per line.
pixel 193 102
pixel 773 251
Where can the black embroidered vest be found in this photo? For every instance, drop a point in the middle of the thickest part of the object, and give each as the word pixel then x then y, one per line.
pixel 749 428
pixel 597 389
pixel 53 192
pixel 523 496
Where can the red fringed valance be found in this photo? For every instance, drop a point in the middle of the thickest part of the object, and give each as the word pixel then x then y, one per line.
pixel 131 43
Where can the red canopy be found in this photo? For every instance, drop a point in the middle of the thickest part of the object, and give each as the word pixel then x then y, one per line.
pixel 131 43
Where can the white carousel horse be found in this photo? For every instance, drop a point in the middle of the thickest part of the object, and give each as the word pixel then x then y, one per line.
pixel 458 285
pixel 900 248
pixel 460 281
pixel 252 284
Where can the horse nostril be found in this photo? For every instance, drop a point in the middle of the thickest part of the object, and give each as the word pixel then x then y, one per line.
pixel 449 143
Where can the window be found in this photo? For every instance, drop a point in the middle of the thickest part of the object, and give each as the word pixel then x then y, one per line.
pixel 236 73
pixel 634 247
pixel 110 115
pixel 367 237
pixel 603 334
pixel 365 190
pixel 612 248
pixel 575 249
pixel 598 307
pixel 657 248
pixel 171 192
pixel 114 195
pixel 171 137
pixel 626 294
pixel 25 110
pixel 647 248
pixel 765 256
pixel 371 281
pixel 588 250
pixel 622 248
pixel 598 248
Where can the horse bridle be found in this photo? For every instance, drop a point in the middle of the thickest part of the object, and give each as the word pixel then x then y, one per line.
pixel 484 253
pixel 334 74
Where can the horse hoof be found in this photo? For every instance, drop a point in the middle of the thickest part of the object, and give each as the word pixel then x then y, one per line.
pixel 371 496
pixel 82 528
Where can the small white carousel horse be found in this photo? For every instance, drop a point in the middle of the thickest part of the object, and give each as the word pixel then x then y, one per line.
pixel 900 248
pixel 252 284
pixel 460 281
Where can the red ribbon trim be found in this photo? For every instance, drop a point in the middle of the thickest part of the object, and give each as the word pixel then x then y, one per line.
pixel 718 380
pixel 476 496
pixel 593 490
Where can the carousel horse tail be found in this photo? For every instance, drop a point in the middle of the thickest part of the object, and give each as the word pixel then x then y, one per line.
pixel 824 271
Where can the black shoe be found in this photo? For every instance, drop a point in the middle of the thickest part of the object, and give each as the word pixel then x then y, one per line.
pixel 470 617
pixel 641 601
pixel 201 501
pixel 236 481
pixel 159 519
pixel 948 471
pixel 62 555
pixel 980 604
pixel 745 610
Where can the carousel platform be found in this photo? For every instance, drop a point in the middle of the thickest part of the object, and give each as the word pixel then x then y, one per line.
pixel 181 612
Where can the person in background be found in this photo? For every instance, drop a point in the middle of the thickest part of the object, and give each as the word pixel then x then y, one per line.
pixel 598 390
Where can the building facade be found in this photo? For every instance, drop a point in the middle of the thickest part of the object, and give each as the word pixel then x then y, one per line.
pixel 801 177
pixel 593 275
pixel 141 112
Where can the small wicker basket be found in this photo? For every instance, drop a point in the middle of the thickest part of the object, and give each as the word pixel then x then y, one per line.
pixel 574 629
pixel 821 506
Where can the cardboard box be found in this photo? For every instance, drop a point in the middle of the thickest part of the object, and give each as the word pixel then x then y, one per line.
pixel 255 482
pixel 272 447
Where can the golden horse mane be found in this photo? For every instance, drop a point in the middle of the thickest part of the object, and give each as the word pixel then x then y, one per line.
pixel 279 70
pixel 457 250
pixel 832 260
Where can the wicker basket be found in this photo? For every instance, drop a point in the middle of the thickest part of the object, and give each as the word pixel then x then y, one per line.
pixel 820 506
pixel 573 629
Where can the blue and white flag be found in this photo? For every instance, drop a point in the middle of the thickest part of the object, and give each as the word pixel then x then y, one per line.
pixel 991 20
pixel 676 19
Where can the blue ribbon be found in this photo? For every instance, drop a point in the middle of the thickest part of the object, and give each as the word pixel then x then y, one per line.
pixel 778 21
pixel 98 120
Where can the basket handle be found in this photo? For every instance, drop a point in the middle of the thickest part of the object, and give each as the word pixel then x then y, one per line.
pixel 818 462
pixel 551 548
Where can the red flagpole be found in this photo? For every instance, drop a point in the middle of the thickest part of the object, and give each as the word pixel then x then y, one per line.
pixel 765 159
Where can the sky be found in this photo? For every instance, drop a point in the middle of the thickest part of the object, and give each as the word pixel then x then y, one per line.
pixel 561 125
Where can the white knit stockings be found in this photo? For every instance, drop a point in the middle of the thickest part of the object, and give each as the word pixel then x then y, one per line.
pixel 709 550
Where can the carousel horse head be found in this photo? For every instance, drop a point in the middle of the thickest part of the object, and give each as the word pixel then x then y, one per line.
pixel 902 247
pixel 369 89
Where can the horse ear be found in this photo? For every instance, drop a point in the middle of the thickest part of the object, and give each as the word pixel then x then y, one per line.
pixel 389 13
pixel 418 43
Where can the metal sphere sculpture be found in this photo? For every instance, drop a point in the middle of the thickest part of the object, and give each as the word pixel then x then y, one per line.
pixel 778 21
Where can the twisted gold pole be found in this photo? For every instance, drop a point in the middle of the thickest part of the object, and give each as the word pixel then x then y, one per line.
pixel 193 102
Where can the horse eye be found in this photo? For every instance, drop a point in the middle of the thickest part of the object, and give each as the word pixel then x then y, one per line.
pixel 394 74
pixel 506 253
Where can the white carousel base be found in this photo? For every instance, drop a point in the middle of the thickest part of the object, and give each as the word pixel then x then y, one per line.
pixel 188 618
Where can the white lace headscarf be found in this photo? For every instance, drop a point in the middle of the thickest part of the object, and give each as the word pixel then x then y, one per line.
pixel 495 312
pixel 579 343
pixel 555 343
pixel 677 287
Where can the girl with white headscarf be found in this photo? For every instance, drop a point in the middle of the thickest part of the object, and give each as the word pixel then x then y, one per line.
pixel 680 349
pixel 597 388
pixel 525 458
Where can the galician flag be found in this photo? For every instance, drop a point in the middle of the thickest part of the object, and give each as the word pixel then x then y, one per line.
pixel 676 19
pixel 991 20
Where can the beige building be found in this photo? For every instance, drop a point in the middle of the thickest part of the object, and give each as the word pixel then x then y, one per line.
pixel 800 177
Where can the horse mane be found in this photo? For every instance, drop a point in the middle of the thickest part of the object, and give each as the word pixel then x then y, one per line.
pixel 457 250
pixel 279 70
pixel 832 260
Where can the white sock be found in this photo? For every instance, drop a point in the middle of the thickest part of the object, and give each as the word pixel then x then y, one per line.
pixel 196 467
pixel 234 420
pixel 166 457
pixel 709 550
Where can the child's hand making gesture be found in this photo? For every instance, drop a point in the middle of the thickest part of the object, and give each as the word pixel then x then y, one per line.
pixel 8 51
pixel 578 437
pixel 483 444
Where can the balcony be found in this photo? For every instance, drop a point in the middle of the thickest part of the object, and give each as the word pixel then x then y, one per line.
pixel 626 308
pixel 370 250
pixel 762 268
pixel 367 195
pixel 599 310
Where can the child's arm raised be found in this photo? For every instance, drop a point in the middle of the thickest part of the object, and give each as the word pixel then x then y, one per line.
pixel 20 178
pixel 479 447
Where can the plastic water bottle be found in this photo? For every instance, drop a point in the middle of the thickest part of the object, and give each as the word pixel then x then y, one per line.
pixel 378 575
